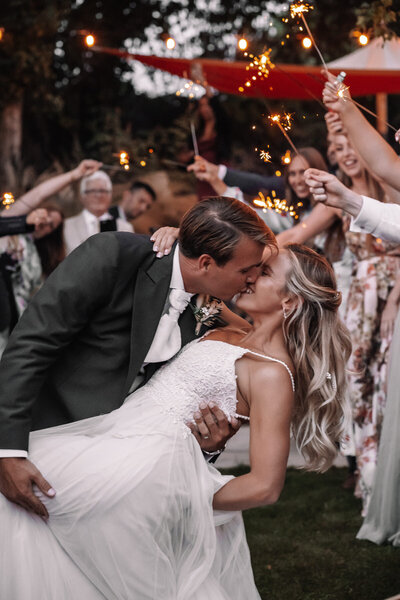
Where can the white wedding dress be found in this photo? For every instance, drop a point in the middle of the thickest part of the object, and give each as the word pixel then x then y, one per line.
pixel 132 518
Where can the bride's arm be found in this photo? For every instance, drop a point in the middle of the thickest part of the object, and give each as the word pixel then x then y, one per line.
pixel 271 406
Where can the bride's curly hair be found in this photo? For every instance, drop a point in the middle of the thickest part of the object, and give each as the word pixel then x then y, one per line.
pixel 319 345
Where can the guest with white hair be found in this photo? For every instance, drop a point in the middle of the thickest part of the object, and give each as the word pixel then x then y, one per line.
pixel 95 195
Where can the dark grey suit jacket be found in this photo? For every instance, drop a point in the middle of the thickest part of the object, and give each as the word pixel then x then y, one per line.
pixel 83 338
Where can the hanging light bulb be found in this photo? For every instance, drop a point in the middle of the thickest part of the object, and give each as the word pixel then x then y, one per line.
pixel 243 43
pixel 90 40
pixel 170 43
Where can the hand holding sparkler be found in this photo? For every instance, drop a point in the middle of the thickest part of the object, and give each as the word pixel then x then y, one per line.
pixel 335 94
pixel 204 170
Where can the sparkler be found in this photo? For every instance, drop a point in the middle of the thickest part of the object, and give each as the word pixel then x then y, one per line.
pixel 286 158
pixel 265 155
pixel 194 139
pixel 298 9
pixel 284 123
pixel 263 65
pixel 7 200
pixel 342 93
pixel 276 204
pixel 123 161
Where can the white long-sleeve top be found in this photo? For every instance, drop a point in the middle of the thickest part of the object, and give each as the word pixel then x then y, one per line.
pixel 378 218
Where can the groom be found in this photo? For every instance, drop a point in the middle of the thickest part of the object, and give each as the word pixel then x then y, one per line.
pixel 107 318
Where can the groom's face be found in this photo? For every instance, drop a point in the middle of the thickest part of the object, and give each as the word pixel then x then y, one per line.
pixel 234 277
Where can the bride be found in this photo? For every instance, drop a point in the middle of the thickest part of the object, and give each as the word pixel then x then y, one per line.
pixel 138 513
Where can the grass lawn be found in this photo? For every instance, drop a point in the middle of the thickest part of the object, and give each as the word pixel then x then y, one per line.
pixel 304 547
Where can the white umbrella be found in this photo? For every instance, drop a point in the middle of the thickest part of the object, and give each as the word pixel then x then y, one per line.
pixel 380 55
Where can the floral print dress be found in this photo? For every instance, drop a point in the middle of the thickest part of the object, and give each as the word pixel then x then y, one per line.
pixel 374 274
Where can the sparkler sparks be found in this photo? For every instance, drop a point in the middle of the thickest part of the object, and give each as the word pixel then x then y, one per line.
pixel 7 200
pixel 124 160
pixel 284 121
pixel 265 156
pixel 286 158
pixel 299 8
pixel 276 204
pixel 261 63
pixel 342 89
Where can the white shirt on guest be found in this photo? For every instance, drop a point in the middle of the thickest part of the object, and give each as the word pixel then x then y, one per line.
pixel 380 219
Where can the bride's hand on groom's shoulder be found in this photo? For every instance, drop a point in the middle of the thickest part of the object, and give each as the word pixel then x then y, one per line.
pixel 163 239
pixel 212 429
pixel 17 476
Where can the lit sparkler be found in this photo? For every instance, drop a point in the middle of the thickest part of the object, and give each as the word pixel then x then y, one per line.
pixel 286 158
pixel 124 160
pixel 297 9
pixel 263 65
pixel 271 202
pixel 7 200
pixel 265 156
pixel 284 122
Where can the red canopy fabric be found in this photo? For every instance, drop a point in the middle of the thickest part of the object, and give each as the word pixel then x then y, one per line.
pixel 284 81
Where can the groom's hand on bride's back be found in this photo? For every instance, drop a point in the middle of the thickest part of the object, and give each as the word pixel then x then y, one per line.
pixel 17 476
pixel 212 429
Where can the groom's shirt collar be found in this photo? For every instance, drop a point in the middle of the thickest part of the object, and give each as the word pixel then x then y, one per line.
pixel 176 277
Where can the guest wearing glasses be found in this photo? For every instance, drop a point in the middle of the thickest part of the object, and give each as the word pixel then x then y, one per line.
pixel 95 196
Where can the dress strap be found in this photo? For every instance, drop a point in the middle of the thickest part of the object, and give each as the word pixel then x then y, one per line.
pixel 281 362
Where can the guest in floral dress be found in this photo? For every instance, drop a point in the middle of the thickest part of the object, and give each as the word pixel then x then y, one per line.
pixel 374 275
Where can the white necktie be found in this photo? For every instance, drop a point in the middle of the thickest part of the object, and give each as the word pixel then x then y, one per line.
pixel 167 340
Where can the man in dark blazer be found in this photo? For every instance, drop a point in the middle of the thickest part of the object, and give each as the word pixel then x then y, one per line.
pixel 81 345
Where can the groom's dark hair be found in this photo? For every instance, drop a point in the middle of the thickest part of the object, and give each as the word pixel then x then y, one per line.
pixel 215 226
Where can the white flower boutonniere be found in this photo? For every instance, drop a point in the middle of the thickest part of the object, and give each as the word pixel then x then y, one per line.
pixel 206 311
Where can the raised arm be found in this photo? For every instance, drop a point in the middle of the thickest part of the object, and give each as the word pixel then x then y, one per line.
pixel 34 197
pixel 319 219
pixel 378 155
pixel 271 402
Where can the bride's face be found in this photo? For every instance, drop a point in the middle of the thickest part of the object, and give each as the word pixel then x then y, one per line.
pixel 267 295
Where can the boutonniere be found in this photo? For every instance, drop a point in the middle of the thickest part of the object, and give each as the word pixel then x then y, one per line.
pixel 206 311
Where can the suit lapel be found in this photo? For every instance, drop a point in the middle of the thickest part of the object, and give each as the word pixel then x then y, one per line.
pixel 150 293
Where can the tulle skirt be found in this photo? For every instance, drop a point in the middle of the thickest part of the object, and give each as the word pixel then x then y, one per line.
pixel 132 517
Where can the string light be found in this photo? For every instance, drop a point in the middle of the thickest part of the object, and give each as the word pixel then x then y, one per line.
pixel 363 39
pixel 7 200
pixel 142 163
pixel 90 40
pixel 190 89
pixel 307 43
pixel 170 43
pixel 243 43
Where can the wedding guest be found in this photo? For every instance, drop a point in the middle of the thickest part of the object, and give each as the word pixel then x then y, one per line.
pixel 382 521
pixel 34 197
pixel 135 201
pixel 95 196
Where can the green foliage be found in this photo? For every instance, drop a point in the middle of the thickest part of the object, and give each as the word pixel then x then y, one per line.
pixel 78 102
pixel 379 18
pixel 304 547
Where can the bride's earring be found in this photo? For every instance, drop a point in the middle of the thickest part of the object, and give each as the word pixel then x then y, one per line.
pixel 285 314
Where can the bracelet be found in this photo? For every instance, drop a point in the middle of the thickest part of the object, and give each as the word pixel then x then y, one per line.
pixel 215 453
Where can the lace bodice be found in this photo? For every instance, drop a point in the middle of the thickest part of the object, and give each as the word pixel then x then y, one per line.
pixel 203 371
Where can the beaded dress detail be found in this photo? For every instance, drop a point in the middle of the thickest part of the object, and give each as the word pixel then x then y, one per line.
pixel 133 517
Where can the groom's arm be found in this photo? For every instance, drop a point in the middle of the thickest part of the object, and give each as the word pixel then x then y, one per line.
pixel 79 286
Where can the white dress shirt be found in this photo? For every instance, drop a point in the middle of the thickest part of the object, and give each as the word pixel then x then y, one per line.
pixel 380 219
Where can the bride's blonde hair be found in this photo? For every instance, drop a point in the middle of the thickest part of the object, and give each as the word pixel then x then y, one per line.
pixel 319 345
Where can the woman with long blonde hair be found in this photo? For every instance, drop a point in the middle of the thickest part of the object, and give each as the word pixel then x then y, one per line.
pixel 133 511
